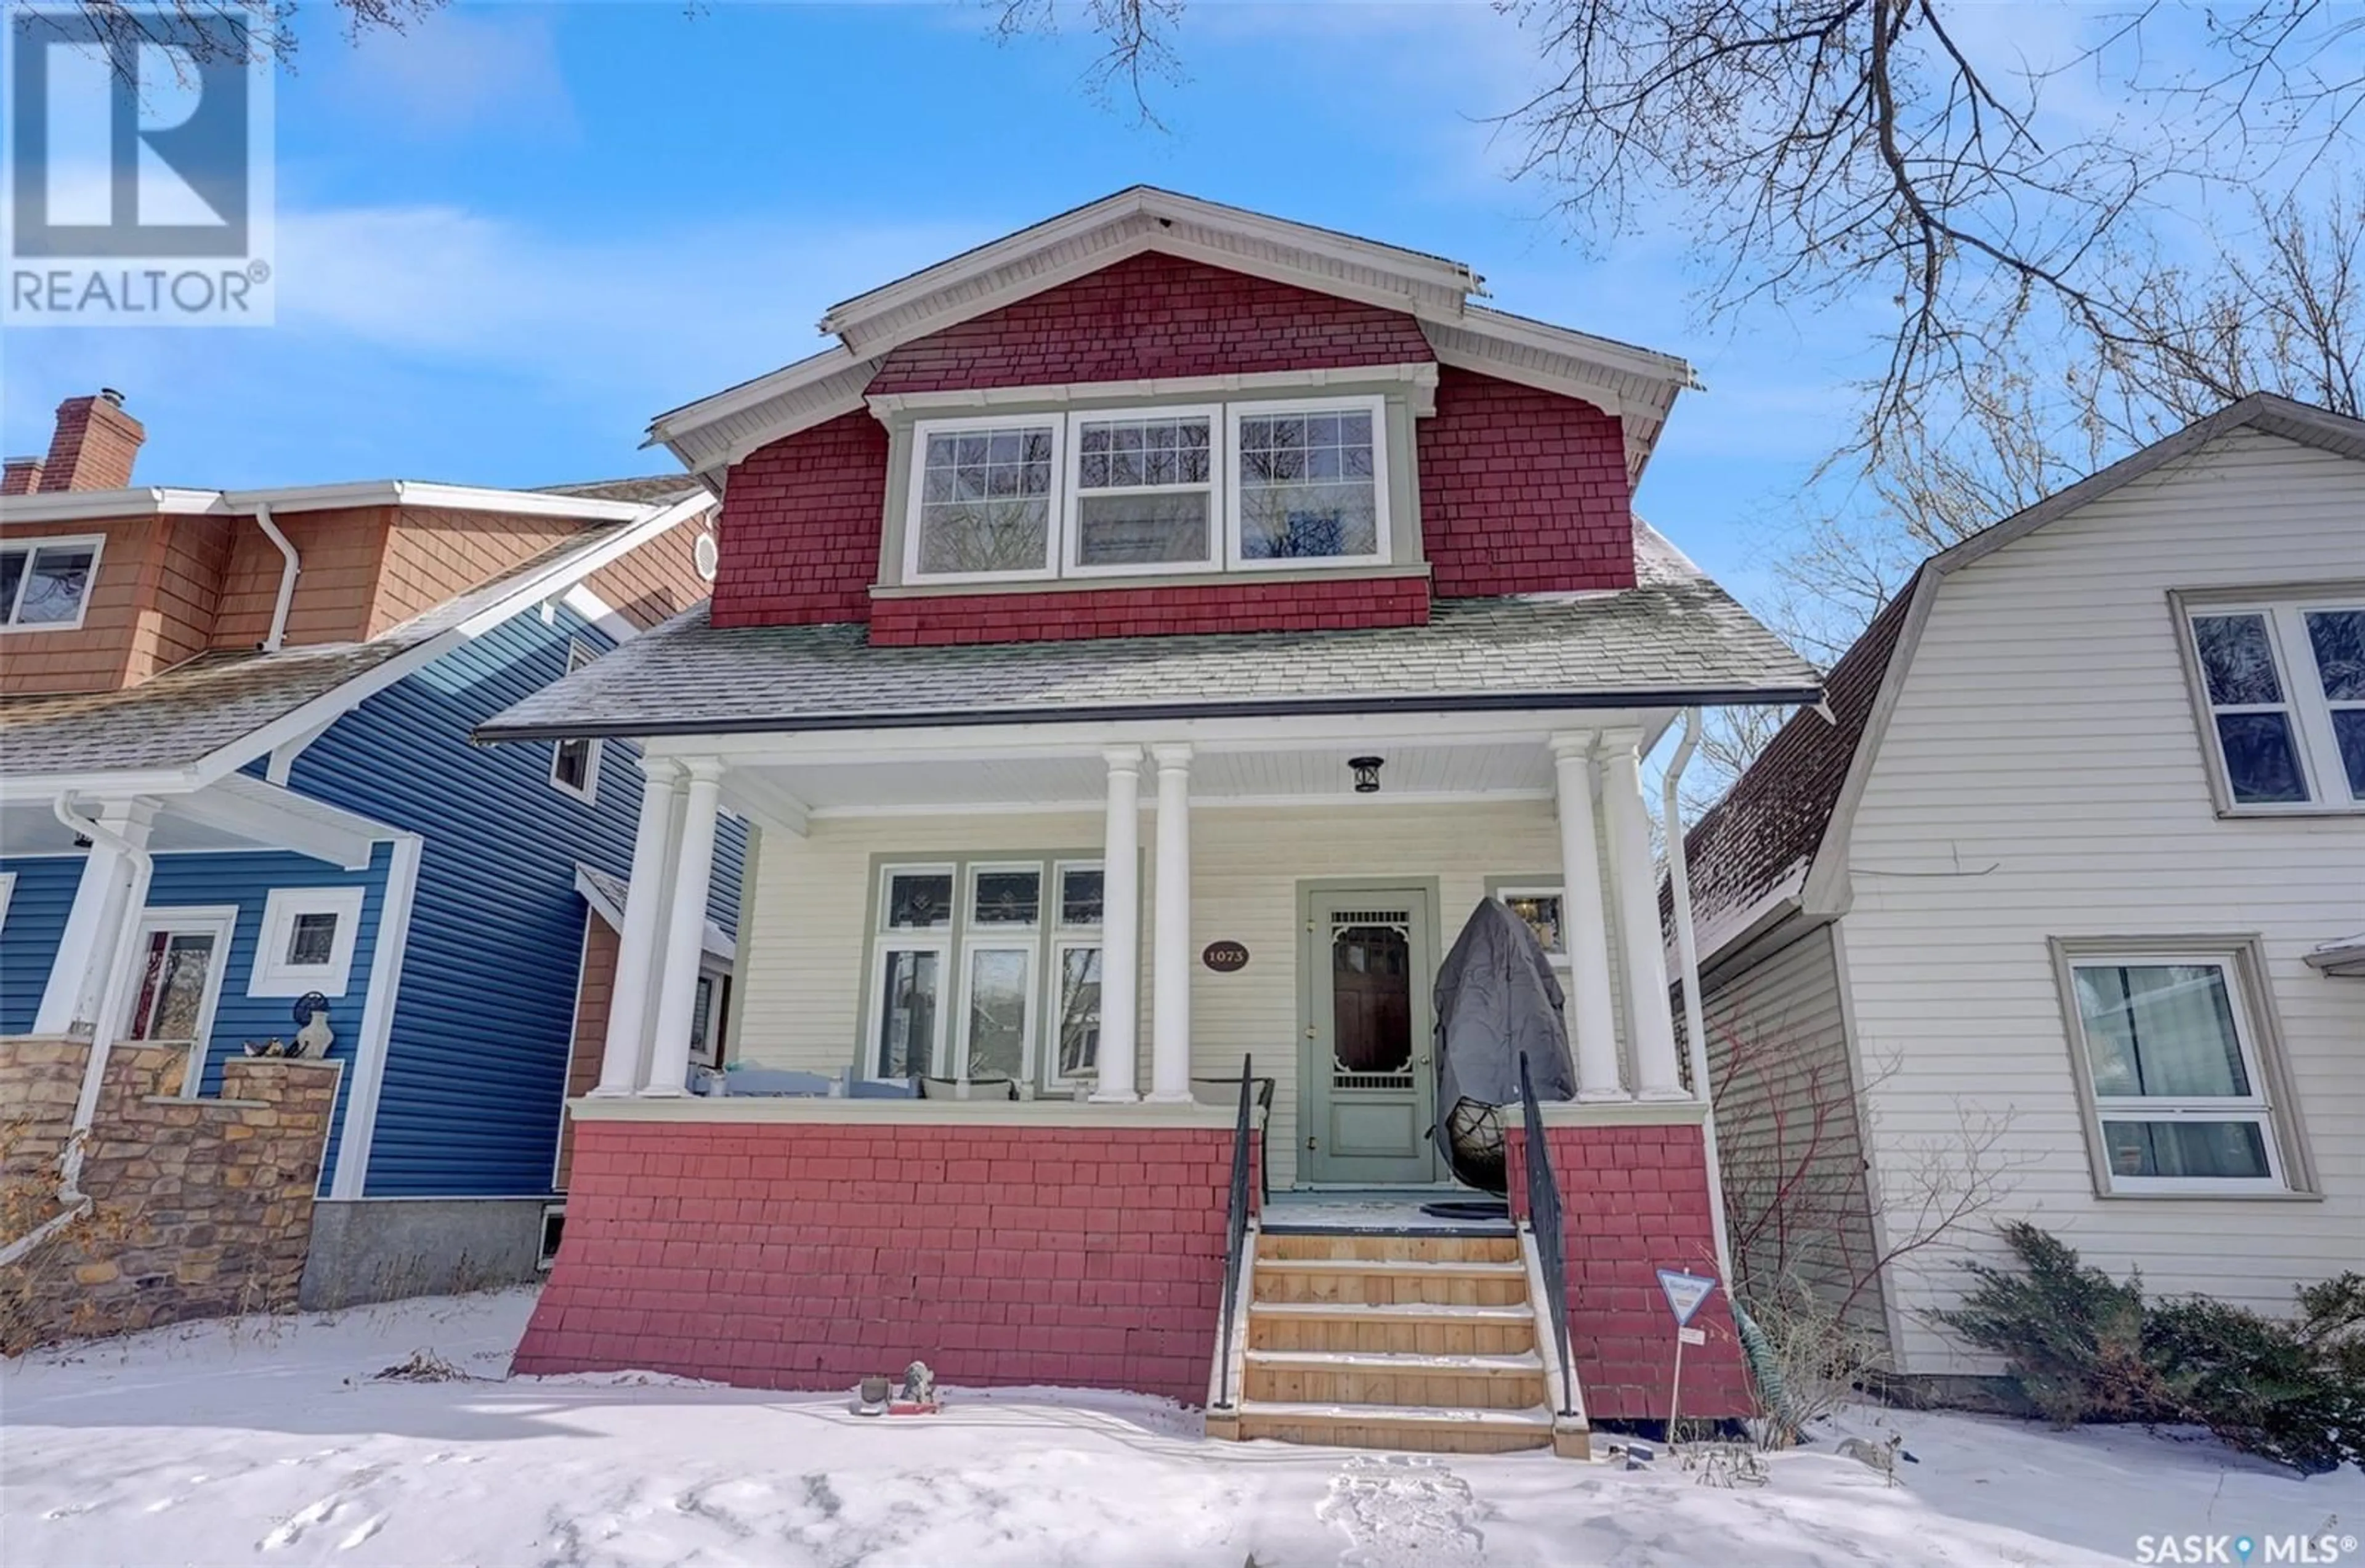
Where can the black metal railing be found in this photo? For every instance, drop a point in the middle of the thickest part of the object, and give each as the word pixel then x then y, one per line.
pixel 1544 1219
pixel 1236 1239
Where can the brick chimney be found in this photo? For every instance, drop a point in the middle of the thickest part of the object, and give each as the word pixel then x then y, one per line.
pixel 22 476
pixel 94 447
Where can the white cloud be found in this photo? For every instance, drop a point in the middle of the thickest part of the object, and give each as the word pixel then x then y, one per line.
pixel 457 72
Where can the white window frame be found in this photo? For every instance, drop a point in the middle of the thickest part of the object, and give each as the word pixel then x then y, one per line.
pixel 7 892
pixel 1053 507
pixel 579 654
pixel 221 922
pixel 96 543
pixel 1071 503
pixel 1509 890
pixel 273 975
pixel 2313 741
pixel 1375 405
pixel 1068 937
pixel 888 940
pixel 2258 1107
pixel 1027 941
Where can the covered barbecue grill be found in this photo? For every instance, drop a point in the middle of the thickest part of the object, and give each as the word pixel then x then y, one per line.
pixel 1497 996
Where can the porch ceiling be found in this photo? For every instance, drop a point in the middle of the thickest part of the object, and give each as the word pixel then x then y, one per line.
pixel 1494 768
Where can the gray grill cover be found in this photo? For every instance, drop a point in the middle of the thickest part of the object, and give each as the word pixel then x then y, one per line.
pixel 1497 996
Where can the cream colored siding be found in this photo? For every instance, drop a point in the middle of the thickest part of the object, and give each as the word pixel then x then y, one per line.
pixel 803 954
pixel 1787 1128
pixel 2044 775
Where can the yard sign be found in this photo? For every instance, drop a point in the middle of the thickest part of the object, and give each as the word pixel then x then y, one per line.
pixel 1684 1294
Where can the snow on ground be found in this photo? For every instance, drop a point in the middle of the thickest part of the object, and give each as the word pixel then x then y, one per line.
pixel 269 1441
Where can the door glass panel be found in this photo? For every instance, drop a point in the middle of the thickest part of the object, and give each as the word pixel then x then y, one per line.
pixel 997 1011
pixel 1371 1000
pixel 907 1013
pixel 1080 1009
pixel 172 986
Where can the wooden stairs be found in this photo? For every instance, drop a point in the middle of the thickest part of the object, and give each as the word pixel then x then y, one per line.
pixel 1428 1341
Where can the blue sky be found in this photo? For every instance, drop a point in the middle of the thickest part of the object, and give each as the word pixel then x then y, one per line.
pixel 509 237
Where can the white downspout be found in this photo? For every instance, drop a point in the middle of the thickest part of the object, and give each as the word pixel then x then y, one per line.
pixel 73 1202
pixel 288 572
pixel 1679 882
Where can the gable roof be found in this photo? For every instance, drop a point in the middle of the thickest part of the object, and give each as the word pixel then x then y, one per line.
pixel 210 715
pixel 1637 384
pixel 1779 839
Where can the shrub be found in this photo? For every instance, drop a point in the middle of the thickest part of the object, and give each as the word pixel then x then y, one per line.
pixel 2071 1336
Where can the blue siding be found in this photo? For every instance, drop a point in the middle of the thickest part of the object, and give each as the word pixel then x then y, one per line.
pixel 476 1068
pixel 28 940
pixel 246 881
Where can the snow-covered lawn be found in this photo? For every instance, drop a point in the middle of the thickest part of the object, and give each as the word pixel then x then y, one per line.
pixel 271 1442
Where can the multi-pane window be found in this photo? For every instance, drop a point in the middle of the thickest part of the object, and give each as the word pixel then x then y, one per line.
pixel 983 494
pixel 972 957
pixel 2283 685
pixel 1306 485
pixel 575 764
pixel 45 583
pixel 2170 1056
pixel 1115 491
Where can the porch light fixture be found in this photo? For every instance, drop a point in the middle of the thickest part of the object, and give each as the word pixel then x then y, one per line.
pixel 1367 773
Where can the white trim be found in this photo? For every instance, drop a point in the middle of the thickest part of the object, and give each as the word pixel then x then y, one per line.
pixel 2307 707
pixel 1420 375
pixel 580 656
pixel 718 942
pixel 1072 500
pixel 273 975
pixel 284 755
pixel 85 505
pixel 994 1113
pixel 271 814
pixel 914 491
pixel 1374 407
pixel 1347 802
pixel 1027 941
pixel 32 547
pixel 1066 940
pixel 592 909
pixel 599 614
pixel 90 506
pixel 378 1017
pixel 218 921
pixel 7 889
pixel 1554 890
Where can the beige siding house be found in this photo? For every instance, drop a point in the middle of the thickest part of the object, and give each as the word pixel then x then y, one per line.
pixel 2070 884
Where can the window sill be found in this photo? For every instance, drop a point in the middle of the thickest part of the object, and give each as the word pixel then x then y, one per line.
pixel 2286 1195
pixel 1356 572
pixel 2288 813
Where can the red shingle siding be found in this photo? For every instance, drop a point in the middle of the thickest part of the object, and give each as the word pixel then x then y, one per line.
pixel 1522 491
pixel 1153 316
pixel 1151 611
pixel 800 531
pixel 809 1255
pixel 1633 1201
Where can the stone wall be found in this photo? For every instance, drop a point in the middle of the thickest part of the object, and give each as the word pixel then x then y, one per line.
pixel 201 1207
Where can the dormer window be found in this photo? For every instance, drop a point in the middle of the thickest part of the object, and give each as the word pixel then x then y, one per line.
pixel 1244 486
pixel 45 583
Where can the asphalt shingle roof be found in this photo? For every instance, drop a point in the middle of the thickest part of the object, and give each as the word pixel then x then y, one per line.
pixel 1674 636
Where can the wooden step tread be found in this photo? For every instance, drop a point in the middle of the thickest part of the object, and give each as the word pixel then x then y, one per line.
pixel 1536 1418
pixel 1401 1363
pixel 1397 1312
pixel 1458 1268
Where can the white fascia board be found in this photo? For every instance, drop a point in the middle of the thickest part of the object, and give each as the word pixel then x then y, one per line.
pixel 1420 375
pixel 716 939
pixel 46 787
pixel 421 493
pixel 669 426
pixel 524 594
pixel 269 814
pixel 598 613
pixel 1606 351
pixel 80 506
pixel 772 807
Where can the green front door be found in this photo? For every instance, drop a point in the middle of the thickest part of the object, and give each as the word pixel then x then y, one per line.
pixel 1367 968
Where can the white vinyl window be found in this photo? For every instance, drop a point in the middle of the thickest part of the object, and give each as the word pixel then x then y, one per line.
pixel 915 945
pixel 2283 687
pixel 2170 1054
pixel 306 941
pixel 1144 492
pixel 575 764
pixel 984 498
pixel 45 583
pixel 1308 483
pixel 1541 909
pixel 1074 992
pixel 177 981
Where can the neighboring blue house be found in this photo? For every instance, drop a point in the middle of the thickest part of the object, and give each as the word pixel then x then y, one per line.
pixel 235 770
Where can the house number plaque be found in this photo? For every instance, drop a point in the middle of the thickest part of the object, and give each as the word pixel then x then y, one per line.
pixel 1224 957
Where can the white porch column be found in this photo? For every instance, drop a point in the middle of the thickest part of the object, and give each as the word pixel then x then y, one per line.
pixel 685 931
pixel 1592 1022
pixel 1120 927
pixel 636 945
pixel 1170 984
pixel 1649 1022
pixel 79 982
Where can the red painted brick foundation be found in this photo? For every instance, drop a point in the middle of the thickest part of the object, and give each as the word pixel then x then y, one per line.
pixel 1634 1200
pixel 807 1255
pixel 1249 605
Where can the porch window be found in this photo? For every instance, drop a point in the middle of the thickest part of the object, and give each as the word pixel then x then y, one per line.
pixel 2170 1050
pixel 2281 689
pixel 970 956
pixel 1306 482
pixel 984 491
pixel 1541 909
pixel 45 583
pixel 176 975
pixel 306 941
